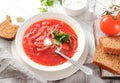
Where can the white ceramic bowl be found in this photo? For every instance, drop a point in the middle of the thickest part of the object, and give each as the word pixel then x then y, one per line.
pixel 76 27
pixel 72 9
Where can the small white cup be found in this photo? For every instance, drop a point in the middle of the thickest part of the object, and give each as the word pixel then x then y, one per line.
pixel 74 7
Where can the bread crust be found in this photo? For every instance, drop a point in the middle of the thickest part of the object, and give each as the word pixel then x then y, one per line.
pixel 110 45
pixel 106 67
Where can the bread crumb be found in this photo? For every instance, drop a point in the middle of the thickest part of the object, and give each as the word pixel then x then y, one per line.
pixel 20 19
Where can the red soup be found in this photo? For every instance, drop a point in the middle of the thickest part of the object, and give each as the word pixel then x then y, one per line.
pixel 42 38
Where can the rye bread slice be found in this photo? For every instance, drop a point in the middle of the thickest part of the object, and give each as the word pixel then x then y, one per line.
pixel 7 29
pixel 106 61
pixel 110 45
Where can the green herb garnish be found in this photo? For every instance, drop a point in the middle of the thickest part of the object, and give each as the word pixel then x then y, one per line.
pixel 60 1
pixel 43 9
pixel 60 37
pixel 46 4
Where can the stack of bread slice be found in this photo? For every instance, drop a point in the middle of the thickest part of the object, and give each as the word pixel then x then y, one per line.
pixel 107 54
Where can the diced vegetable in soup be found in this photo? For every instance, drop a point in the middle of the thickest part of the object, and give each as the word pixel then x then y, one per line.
pixel 42 38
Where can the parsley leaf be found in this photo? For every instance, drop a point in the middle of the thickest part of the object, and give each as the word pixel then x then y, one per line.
pixel 50 3
pixel 60 1
pixel 46 4
pixel 60 37
pixel 43 9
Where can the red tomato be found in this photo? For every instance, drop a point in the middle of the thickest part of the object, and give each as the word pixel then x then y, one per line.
pixel 109 25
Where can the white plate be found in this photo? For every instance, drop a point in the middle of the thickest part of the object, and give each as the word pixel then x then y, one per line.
pixel 51 76
pixel 70 21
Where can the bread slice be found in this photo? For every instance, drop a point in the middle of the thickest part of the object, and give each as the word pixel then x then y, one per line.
pixel 7 29
pixel 107 61
pixel 110 45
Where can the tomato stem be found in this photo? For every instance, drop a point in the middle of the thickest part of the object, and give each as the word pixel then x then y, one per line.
pixel 113 10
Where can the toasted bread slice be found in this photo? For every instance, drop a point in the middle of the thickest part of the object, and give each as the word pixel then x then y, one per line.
pixel 107 61
pixel 7 29
pixel 110 45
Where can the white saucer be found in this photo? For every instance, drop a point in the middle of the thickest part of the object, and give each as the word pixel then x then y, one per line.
pixel 50 76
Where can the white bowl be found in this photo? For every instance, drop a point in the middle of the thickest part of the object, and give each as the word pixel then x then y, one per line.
pixel 76 27
pixel 72 9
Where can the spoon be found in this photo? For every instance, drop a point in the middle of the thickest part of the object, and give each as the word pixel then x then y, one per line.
pixel 85 69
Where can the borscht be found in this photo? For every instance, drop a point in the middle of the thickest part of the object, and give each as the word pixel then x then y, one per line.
pixel 43 37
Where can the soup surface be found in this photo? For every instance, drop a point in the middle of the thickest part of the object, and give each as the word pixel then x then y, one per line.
pixel 40 41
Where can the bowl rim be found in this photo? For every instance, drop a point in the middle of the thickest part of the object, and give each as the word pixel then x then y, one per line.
pixel 70 21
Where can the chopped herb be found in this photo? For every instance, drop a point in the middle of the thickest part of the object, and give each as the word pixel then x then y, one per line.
pixel 60 37
pixel 50 3
pixel 43 9
pixel 60 1
pixel 46 4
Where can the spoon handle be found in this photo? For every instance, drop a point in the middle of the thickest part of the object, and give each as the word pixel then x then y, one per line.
pixel 85 69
